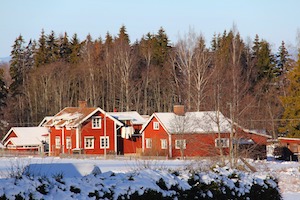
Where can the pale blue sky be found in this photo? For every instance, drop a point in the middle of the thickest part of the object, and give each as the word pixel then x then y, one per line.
pixel 273 20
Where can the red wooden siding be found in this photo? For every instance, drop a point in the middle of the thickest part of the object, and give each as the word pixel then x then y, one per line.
pixel 156 136
pixel 86 131
pixel 12 134
pixel 197 144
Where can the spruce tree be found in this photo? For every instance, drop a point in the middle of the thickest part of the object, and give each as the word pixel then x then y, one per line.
pixel 265 62
pixel 41 54
pixel 52 48
pixel 75 49
pixel 282 62
pixel 3 92
pixel 17 65
pixel 123 35
pixel 64 48
pixel 291 104
pixel 29 55
pixel 161 47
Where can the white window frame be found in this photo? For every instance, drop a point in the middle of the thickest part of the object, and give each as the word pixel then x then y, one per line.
pixel 102 142
pixel 96 122
pixel 148 143
pixel 89 142
pixel 68 143
pixel 222 142
pixel 164 143
pixel 180 144
pixel 57 142
pixel 155 125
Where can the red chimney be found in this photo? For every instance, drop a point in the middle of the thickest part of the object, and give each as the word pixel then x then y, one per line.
pixel 179 110
pixel 82 104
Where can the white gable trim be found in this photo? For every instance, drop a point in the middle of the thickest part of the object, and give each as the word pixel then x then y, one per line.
pixel 101 111
pixel 7 134
pixel 149 120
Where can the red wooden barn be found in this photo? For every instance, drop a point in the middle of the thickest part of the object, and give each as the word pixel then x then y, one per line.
pixel 192 134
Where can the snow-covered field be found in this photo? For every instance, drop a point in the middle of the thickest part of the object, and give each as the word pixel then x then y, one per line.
pixel 287 173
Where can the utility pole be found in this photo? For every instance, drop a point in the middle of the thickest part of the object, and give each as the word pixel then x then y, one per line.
pixel 231 135
pixel 105 140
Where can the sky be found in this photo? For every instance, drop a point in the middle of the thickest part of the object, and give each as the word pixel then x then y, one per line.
pixel 273 20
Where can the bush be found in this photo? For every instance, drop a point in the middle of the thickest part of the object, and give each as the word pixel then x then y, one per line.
pixel 219 183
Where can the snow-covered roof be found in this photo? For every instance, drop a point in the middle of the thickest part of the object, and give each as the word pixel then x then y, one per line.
pixel 45 120
pixel 26 136
pixel 1 146
pixel 74 116
pixel 133 116
pixel 193 122
pixel 257 132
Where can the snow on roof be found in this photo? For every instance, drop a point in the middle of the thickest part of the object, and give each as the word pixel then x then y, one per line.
pixel 195 122
pixel 27 135
pixel 45 120
pixel 1 146
pixel 73 116
pixel 134 116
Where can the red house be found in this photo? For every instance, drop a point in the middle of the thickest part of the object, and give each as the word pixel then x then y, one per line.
pixel 83 130
pixel 192 134
pixel 129 136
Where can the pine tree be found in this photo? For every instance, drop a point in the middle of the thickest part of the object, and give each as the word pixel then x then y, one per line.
pixel 291 104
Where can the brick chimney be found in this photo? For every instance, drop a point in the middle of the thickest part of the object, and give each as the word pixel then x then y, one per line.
pixel 82 104
pixel 179 110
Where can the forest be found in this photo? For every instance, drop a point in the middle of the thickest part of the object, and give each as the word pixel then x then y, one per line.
pixel 246 81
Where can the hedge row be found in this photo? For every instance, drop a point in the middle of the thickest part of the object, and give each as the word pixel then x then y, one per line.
pixel 220 183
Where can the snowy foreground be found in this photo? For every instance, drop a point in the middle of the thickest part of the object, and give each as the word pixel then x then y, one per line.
pixel 287 173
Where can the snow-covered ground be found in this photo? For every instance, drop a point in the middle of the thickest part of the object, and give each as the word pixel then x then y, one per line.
pixel 287 173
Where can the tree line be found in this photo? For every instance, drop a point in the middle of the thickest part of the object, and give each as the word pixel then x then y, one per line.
pixel 244 80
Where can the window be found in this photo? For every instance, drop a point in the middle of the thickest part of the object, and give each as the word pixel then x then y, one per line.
pixel 68 143
pixel 57 142
pixel 148 143
pixel 164 143
pixel 104 142
pixel 89 142
pixel 96 122
pixel 222 142
pixel 155 126
pixel 180 144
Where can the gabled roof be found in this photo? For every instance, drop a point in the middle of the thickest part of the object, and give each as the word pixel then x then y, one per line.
pixel 45 120
pixel 74 116
pixel 133 116
pixel 192 122
pixel 26 136
pixel 257 132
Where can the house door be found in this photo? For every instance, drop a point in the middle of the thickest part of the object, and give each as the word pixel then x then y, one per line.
pixel 120 144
